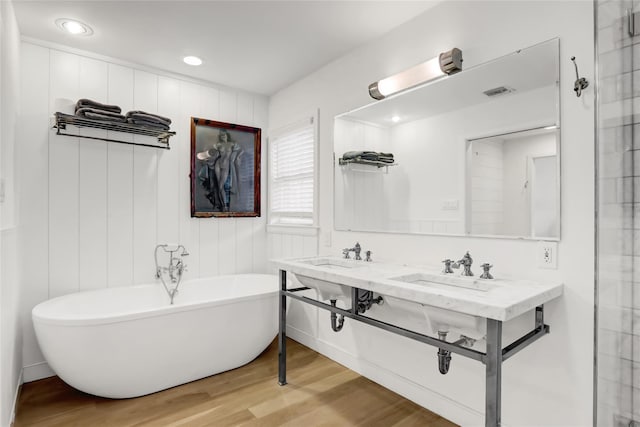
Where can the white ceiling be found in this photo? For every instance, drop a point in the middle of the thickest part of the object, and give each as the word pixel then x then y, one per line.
pixel 258 46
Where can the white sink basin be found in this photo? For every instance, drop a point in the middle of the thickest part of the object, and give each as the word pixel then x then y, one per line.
pixel 332 263
pixel 441 320
pixel 448 282
pixel 328 290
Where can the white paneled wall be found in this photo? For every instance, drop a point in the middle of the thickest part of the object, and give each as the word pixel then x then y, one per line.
pixel 10 289
pixel 285 245
pixel 301 318
pixel 487 210
pixel 550 383
pixel 93 211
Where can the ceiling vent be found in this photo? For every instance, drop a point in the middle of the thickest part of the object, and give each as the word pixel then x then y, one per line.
pixel 500 90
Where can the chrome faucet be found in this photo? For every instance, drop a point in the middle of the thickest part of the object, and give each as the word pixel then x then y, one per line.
pixel 447 266
pixel 176 267
pixel 368 256
pixel 356 249
pixel 465 262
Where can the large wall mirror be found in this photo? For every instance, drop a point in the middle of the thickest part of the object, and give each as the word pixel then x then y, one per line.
pixel 475 153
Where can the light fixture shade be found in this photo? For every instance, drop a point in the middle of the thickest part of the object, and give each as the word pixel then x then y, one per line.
pixel 449 62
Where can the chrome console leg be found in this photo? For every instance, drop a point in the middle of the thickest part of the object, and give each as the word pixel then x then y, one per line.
pixel 282 333
pixel 494 373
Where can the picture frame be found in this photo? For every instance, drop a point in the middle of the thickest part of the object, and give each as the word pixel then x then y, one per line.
pixel 225 169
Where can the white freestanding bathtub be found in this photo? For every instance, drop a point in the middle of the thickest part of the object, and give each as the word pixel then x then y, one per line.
pixel 128 341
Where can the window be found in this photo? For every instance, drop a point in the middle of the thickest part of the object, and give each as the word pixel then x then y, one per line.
pixel 292 174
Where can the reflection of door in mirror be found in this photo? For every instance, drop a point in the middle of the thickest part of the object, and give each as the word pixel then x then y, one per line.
pixel 544 201
pixel 513 188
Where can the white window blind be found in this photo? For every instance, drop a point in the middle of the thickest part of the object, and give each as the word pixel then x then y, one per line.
pixel 292 172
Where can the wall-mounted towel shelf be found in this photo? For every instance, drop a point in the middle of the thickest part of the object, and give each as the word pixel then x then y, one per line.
pixel 63 120
pixel 353 164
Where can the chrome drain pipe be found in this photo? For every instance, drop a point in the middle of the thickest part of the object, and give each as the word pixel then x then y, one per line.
pixel 336 322
pixel 444 356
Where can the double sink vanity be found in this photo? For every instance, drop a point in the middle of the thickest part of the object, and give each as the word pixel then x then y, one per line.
pixel 475 154
pixel 469 307
pixel 498 299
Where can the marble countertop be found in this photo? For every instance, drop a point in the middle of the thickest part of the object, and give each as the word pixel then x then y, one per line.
pixel 499 299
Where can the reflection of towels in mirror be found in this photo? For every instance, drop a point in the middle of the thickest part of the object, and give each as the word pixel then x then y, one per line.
pixel 372 156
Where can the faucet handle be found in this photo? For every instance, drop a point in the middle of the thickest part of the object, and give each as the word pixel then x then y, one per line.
pixel 345 252
pixel 485 268
pixel 368 256
pixel 448 263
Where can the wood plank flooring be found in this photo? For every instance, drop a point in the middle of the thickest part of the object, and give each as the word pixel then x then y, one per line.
pixel 320 393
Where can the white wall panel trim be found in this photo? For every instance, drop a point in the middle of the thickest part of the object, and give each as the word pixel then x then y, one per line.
pixel 16 395
pixel 37 371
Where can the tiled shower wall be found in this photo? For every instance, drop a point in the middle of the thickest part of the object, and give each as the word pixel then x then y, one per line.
pixel 618 192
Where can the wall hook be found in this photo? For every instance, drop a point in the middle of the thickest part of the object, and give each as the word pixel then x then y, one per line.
pixel 581 83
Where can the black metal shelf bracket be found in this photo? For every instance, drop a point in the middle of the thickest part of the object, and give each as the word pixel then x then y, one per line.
pixel 64 120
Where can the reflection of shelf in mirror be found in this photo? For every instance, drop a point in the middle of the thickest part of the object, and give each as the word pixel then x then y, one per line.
pixel 359 165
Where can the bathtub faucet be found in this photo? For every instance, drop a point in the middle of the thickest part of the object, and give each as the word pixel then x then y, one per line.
pixel 175 268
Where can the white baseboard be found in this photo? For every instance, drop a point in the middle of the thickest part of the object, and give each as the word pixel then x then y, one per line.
pixel 37 371
pixel 427 398
pixel 16 395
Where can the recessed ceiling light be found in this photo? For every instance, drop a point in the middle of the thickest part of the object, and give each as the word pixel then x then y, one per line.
pixel 395 119
pixel 192 60
pixel 74 27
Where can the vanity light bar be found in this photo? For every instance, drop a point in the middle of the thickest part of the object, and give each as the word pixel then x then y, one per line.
pixel 446 63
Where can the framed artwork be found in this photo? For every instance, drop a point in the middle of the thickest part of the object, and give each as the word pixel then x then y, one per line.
pixel 225 169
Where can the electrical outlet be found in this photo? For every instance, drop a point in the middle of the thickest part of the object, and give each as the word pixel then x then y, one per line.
pixel 450 205
pixel 548 254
